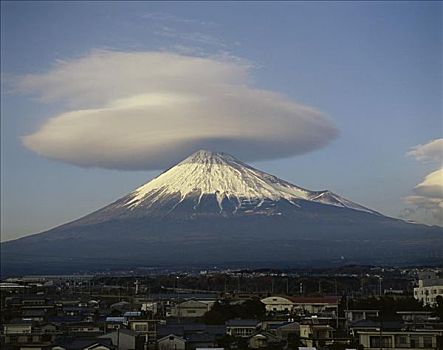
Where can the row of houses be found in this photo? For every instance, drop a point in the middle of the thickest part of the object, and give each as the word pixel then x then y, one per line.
pixel 58 321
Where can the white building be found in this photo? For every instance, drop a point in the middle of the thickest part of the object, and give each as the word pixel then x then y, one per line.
pixel 241 328
pixel 171 342
pixel 191 308
pixel 302 305
pixel 428 290
pixel 278 304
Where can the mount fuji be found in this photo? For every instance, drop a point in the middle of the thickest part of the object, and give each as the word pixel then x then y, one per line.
pixel 212 208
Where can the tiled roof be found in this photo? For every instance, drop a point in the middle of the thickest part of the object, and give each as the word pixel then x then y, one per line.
pixel 241 323
pixel 314 300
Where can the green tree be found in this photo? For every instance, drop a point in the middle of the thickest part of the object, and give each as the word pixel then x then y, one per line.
pixel 223 311
pixel 439 307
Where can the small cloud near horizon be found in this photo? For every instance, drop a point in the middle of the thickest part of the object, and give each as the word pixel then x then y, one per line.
pixel 431 151
pixel 427 196
pixel 147 110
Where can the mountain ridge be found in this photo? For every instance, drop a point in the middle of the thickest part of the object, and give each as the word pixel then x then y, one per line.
pixel 206 172
pixel 212 207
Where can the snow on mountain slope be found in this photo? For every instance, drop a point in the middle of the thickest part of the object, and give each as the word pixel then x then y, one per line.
pixel 222 175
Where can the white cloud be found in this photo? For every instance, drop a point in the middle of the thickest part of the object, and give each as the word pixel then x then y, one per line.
pixel 431 151
pixel 432 185
pixel 147 110
pixel 428 196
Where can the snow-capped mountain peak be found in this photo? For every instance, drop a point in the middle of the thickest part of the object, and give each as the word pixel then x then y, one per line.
pixel 222 175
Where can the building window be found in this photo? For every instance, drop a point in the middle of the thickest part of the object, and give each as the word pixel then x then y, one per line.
pixel 427 341
pixel 377 341
pixel 414 341
pixel 401 341
pixel 13 338
pixel 46 337
pixel 140 327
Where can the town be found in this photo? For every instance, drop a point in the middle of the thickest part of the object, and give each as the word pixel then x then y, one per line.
pixel 350 307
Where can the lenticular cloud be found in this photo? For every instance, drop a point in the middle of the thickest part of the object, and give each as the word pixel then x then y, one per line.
pixel 147 110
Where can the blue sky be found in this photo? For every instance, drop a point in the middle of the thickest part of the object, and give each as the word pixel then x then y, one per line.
pixel 374 68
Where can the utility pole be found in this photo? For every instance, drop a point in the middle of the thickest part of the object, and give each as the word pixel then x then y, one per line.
pixel 381 334
pixel 136 287
pixel 336 319
pixel 176 287
pixel 346 313
pixel 287 285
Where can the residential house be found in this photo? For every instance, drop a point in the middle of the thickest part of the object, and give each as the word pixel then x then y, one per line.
pixel 316 334
pixel 147 328
pixel 287 329
pixel 301 305
pixel 171 342
pixel 264 340
pixel 113 323
pixel 28 334
pixel 152 307
pixel 195 334
pixel 315 305
pixel 18 326
pixel 84 344
pixel 241 328
pixel 125 339
pixel 191 308
pixel 371 325
pixel 401 339
pixel 357 315
pixel 200 340
pixel 37 315
pixel 415 317
pixel 278 304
